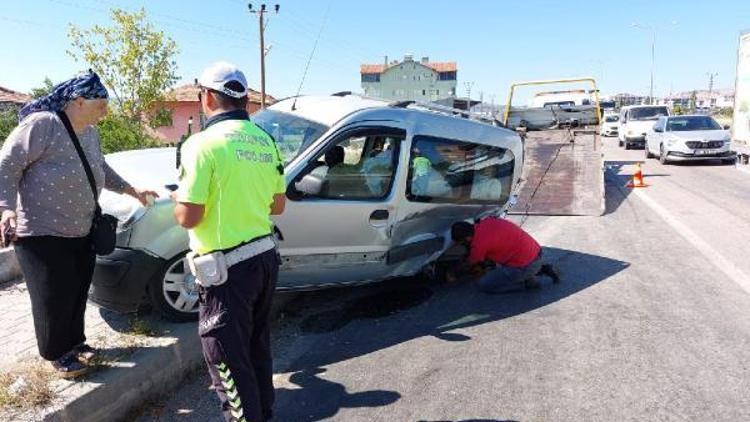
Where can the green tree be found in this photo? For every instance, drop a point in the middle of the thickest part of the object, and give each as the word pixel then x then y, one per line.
pixel 8 121
pixel 134 60
pixel 119 133
pixel 43 90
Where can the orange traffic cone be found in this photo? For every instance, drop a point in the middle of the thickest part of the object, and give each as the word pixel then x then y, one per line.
pixel 637 181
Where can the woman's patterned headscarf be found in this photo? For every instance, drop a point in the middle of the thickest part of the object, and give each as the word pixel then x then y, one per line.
pixel 87 86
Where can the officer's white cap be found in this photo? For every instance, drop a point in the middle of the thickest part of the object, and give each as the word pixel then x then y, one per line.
pixel 219 74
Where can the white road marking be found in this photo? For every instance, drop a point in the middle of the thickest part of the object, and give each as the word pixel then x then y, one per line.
pixel 723 264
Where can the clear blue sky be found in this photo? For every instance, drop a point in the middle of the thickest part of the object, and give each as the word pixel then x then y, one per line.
pixel 493 42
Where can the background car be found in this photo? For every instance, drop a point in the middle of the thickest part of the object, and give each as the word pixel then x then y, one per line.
pixel 610 125
pixel 687 138
pixel 635 121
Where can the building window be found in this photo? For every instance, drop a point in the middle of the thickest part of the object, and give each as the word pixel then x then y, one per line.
pixel 447 76
pixel 424 92
pixel 371 77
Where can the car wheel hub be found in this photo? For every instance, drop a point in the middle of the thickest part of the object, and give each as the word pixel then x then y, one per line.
pixel 179 287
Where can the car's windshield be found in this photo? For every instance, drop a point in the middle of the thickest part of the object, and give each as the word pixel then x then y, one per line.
pixel 647 113
pixel 611 119
pixel 292 133
pixel 688 123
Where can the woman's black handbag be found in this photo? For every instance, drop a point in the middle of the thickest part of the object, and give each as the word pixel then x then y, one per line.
pixel 104 227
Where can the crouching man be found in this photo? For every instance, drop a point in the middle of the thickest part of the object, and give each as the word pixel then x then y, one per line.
pixel 503 255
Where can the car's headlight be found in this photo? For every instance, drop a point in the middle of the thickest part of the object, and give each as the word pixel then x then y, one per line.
pixel 126 209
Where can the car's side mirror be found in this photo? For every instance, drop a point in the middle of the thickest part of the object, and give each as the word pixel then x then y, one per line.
pixel 658 129
pixel 309 185
pixel 727 127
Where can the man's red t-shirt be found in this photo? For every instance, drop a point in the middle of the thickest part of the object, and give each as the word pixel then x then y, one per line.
pixel 502 242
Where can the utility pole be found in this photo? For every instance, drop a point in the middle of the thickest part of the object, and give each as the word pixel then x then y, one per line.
pixel 468 86
pixel 261 27
pixel 711 77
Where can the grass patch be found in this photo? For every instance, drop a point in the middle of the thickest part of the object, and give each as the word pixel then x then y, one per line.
pixel 139 327
pixel 27 386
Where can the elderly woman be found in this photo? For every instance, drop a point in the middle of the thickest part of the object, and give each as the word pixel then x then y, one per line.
pixel 48 206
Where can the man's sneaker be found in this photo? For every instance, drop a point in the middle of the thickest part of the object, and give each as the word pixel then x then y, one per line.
pixel 550 271
pixel 85 353
pixel 69 367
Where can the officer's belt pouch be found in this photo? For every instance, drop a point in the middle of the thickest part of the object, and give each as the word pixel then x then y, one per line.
pixel 209 270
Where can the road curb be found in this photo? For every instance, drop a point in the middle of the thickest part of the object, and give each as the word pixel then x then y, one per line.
pixel 149 373
pixel 9 268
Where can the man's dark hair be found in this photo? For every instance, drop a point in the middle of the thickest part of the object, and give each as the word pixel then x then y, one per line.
pixel 226 102
pixel 461 230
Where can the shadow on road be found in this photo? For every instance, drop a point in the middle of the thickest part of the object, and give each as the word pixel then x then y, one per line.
pixel 328 399
pixel 470 420
pixel 404 309
pixel 615 180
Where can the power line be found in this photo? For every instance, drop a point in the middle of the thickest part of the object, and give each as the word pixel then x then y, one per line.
pixel 312 53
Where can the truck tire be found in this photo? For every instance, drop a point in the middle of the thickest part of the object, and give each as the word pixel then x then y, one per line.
pixel 173 291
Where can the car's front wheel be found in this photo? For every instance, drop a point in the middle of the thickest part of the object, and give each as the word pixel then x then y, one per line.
pixel 173 291
pixel 663 155
pixel 648 152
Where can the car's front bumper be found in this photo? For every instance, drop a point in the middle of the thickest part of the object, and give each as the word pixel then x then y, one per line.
pixel 635 140
pixel 691 156
pixel 120 279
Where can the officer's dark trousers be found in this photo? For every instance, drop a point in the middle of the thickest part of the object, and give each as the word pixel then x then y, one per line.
pixel 234 325
pixel 58 274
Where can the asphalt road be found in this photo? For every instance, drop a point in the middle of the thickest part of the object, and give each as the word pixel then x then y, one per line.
pixel 650 323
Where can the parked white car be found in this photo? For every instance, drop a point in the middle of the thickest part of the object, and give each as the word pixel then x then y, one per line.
pixel 687 138
pixel 610 125
pixel 635 121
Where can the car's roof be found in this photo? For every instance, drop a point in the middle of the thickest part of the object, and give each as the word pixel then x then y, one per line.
pixel 644 106
pixel 687 115
pixel 326 110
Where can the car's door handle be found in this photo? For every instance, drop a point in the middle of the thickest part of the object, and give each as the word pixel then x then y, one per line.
pixel 379 215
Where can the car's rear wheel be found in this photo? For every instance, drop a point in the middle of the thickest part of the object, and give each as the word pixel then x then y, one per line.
pixel 173 291
pixel 648 153
pixel 619 142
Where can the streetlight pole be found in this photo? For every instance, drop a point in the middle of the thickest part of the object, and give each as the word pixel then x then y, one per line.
pixel 653 54
pixel 262 29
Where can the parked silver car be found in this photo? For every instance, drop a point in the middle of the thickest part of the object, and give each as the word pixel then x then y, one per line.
pixel 373 189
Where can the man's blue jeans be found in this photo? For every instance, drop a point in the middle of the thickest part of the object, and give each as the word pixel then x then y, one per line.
pixel 503 279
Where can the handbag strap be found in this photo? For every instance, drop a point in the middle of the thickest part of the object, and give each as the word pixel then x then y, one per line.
pixel 82 156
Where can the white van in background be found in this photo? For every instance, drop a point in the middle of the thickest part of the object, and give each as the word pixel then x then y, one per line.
pixel 636 121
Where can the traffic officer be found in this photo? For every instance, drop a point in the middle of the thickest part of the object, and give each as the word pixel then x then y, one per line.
pixel 231 181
